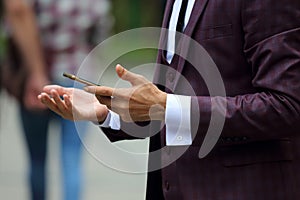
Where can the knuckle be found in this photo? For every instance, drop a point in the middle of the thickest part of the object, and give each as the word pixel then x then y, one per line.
pixel 138 76
pixel 106 92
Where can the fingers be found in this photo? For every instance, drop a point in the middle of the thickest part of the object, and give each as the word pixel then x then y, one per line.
pixel 45 99
pixel 60 90
pixel 134 79
pixel 100 90
pixel 105 101
pixel 59 102
pixel 48 88
pixel 68 102
pixel 56 104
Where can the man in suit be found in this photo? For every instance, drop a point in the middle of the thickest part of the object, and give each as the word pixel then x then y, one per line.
pixel 255 45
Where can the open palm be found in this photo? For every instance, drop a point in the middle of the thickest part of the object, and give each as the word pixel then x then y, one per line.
pixel 73 104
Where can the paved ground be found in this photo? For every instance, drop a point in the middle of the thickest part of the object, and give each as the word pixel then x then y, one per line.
pixel 100 182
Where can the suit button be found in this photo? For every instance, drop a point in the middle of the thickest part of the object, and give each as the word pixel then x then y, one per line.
pixel 167 185
pixel 171 76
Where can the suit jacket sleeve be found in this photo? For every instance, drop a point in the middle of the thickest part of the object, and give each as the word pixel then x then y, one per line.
pixel 272 48
pixel 129 131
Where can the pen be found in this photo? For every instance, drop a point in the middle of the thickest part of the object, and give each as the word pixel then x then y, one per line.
pixel 76 78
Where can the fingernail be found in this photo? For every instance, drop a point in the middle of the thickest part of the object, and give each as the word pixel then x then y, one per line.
pixel 120 69
pixel 43 99
pixel 65 97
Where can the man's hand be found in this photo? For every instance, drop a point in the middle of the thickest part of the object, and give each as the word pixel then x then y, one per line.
pixel 33 87
pixel 75 105
pixel 142 102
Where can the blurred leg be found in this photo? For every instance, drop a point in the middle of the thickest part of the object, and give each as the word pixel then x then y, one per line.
pixel 71 157
pixel 35 125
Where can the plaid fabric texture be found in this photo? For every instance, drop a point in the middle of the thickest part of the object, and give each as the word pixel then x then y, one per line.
pixel 66 27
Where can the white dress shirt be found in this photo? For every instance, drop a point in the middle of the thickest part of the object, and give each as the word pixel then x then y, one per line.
pixel 178 108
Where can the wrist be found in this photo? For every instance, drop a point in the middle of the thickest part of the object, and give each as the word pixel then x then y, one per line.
pixel 158 111
pixel 163 100
pixel 101 116
pixel 38 72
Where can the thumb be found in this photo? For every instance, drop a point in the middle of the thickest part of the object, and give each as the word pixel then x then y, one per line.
pixel 134 79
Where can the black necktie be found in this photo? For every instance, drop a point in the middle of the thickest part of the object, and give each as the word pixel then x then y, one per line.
pixel 180 22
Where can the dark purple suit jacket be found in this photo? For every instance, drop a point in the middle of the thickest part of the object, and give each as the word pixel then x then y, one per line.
pixel 256 47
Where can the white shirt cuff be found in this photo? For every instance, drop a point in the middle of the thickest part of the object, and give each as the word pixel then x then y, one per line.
pixel 112 121
pixel 178 120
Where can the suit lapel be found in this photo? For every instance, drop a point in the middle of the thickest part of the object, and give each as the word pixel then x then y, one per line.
pixel 163 39
pixel 197 11
pixel 167 14
pixel 164 32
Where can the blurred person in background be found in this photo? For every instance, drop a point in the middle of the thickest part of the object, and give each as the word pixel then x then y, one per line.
pixel 24 33
pixel 26 64
pixel 68 32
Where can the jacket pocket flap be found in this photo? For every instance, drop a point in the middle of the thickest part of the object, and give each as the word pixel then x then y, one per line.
pixel 257 152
